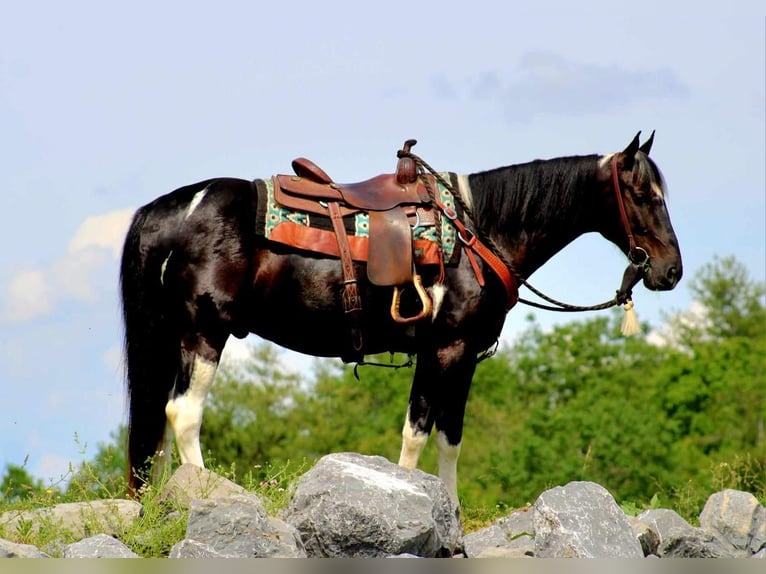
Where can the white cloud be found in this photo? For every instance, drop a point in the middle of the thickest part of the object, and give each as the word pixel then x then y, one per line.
pixel 29 296
pixel 72 274
pixel 236 353
pixel 106 231
pixel 52 468
pixel 695 317
pixel 96 242
pixel 545 83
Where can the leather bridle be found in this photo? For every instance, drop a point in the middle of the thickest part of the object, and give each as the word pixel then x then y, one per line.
pixel 638 255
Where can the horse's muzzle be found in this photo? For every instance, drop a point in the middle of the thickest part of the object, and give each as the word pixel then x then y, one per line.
pixel 663 278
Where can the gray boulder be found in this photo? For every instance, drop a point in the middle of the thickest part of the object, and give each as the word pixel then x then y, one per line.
pixel 582 520
pixel 99 546
pixel 511 535
pixel 350 505
pixel 190 482
pixel 80 519
pixel 646 535
pixel 758 533
pixel 10 549
pixel 193 549
pixel 679 539
pixel 238 527
pixel 731 514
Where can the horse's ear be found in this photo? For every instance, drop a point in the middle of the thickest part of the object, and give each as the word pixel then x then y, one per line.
pixel 629 153
pixel 632 148
pixel 647 145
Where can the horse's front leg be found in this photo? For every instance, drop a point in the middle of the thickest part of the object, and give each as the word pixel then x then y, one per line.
pixel 439 395
pixel 420 413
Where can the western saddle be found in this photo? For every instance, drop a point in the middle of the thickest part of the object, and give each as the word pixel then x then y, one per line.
pixel 391 201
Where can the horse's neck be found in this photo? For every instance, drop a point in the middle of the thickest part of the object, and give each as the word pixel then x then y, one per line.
pixel 533 214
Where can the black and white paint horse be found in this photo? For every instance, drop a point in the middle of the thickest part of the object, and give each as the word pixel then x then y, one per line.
pixel 194 273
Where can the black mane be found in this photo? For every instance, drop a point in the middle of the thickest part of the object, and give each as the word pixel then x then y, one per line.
pixel 541 190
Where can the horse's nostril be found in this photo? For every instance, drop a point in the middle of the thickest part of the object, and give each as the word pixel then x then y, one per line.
pixel 672 275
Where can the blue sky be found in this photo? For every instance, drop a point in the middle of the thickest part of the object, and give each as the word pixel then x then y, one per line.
pixel 104 108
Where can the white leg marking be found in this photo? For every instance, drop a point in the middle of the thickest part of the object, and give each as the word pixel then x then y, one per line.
pixel 196 200
pixel 164 266
pixel 413 442
pixel 465 190
pixel 448 455
pixel 185 412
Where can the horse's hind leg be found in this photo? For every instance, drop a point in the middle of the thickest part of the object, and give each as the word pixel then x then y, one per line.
pixel 184 409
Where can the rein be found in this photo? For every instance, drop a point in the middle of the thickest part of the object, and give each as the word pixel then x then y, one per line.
pixel 492 254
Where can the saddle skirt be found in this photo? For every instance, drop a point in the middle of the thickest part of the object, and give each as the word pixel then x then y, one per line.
pixel 388 225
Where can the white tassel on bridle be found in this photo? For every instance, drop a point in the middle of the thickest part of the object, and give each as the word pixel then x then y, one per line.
pixel 630 326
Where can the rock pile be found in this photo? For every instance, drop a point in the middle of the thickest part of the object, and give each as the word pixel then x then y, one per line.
pixel 351 505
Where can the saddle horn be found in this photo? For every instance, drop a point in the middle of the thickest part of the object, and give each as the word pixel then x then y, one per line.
pixel 406 170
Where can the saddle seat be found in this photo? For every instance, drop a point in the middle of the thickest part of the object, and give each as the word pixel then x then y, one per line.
pixel 380 193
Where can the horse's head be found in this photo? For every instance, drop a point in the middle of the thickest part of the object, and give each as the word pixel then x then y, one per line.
pixel 641 226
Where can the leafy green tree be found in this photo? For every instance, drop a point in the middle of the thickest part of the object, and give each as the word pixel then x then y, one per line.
pixel 17 484
pixel 732 304
pixel 716 390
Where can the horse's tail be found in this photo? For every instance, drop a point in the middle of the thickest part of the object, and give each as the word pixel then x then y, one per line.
pixel 152 350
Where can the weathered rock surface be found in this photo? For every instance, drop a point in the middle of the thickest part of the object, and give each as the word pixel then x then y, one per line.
pixel 679 539
pixel 99 546
pixel 238 527
pixel 366 506
pixel 582 520
pixel 512 535
pixel 10 549
pixel 79 518
pixel 191 482
pixel 732 514
pixel 758 537
pixel 646 535
pixel 193 549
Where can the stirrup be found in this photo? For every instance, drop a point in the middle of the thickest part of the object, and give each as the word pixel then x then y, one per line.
pixel 425 301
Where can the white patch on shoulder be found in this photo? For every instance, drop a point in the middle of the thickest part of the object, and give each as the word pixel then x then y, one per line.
pixel 196 200
pixel 378 479
pixel 464 188
pixel 164 266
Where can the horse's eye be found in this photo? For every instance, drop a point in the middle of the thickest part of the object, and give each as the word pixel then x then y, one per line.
pixel 641 197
